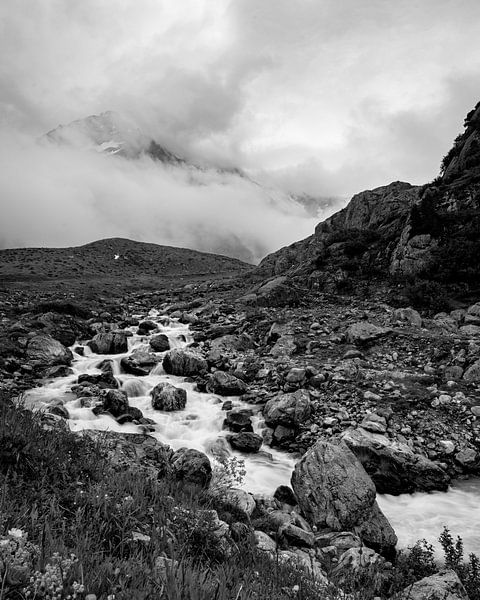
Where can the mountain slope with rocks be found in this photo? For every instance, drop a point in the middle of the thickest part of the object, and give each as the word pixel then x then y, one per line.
pixel 429 233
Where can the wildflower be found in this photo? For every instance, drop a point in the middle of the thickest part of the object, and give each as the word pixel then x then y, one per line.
pixel 16 533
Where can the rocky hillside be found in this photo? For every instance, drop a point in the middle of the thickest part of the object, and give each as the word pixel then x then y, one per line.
pixel 111 258
pixel 430 232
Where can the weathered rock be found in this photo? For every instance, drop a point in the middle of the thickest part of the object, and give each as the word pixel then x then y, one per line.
pixel 191 466
pixel 296 535
pixel 109 343
pixel 473 372
pixel 364 332
pixel 139 362
pixel 166 396
pixel 45 351
pixel 289 410
pixel 115 402
pixel 409 316
pixel 360 567
pixel 335 492
pixel 159 343
pixel 444 584
pixel 105 380
pixel 246 441
pixel 226 384
pixel 238 420
pixel 264 542
pixel 184 362
pixel 394 467
pixel 241 499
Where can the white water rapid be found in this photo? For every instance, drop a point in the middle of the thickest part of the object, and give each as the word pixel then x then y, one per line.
pixel 200 426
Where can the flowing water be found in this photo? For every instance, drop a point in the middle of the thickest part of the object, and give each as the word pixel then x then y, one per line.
pixel 199 426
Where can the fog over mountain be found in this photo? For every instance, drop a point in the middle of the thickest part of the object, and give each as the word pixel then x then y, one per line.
pixel 307 100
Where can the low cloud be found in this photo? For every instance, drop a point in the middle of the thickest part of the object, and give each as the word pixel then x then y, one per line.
pixel 61 196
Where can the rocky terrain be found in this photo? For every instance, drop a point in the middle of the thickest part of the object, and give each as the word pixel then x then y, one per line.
pixel 369 394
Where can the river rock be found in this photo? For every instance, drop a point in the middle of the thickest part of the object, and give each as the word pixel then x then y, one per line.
pixel 166 396
pixel 246 441
pixel 226 384
pixel 184 362
pixel 289 410
pixel 394 467
pixel 159 343
pixel 139 362
pixel 191 466
pixel 296 536
pixel 45 351
pixel 116 402
pixel 238 420
pixel 444 584
pixel 365 333
pixel 109 343
pixel 335 492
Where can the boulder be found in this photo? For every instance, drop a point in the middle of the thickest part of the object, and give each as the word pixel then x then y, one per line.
pixel 166 396
pixel 116 402
pixel 104 380
pixel 184 362
pixel 238 420
pixel 394 467
pixel 290 410
pixel 246 441
pixel 361 567
pixel 264 542
pixel 444 584
pixel 45 351
pixel 473 372
pixel 109 343
pixel 139 362
pixel 363 333
pixel 335 492
pixel 160 343
pixel 409 316
pixel 296 536
pixel 226 384
pixel 241 499
pixel 191 466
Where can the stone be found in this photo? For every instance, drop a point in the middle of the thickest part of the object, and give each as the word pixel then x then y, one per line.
pixel 192 466
pixel 296 535
pixel 474 310
pixel 470 330
pixel 109 343
pixel 226 384
pixel 238 420
pixel 473 372
pixel 363 333
pixel 290 410
pixel 115 402
pixel 246 441
pixel 360 566
pixel 45 351
pixel 444 584
pixel 167 397
pixel 284 494
pixel 374 423
pixel 139 363
pixel 394 467
pixel 467 457
pixel 409 316
pixel 184 362
pixel 296 375
pixel 334 491
pixel 241 499
pixel 475 410
pixel 342 541
pixel 159 343
pixel 264 542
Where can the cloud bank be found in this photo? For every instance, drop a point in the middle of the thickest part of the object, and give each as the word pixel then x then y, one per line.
pixel 315 96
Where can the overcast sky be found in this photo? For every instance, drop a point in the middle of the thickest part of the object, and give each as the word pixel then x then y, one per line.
pixel 325 96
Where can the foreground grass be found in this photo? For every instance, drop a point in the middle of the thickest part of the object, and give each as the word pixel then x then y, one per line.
pixel 71 526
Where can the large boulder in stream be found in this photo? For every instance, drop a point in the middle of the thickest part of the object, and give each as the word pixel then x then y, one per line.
pixel 191 466
pixel 116 403
pixel 159 343
pixel 394 468
pixel 184 362
pixel 246 441
pixel 445 585
pixel 44 351
pixel 139 362
pixel 166 396
pixel 335 493
pixel 109 343
pixel 226 384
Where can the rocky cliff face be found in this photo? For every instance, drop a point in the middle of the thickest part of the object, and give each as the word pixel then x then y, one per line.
pixel 431 232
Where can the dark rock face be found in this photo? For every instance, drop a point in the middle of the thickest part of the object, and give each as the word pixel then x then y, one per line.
pixel 335 493
pixel 104 380
pixel 238 420
pixel 45 351
pixel 226 384
pixel 109 343
pixel 246 441
pixel 289 410
pixel 191 466
pixel 168 397
pixel 184 362
pixel 393 467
